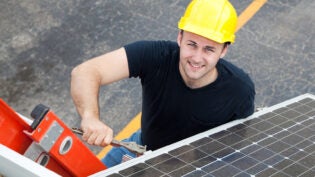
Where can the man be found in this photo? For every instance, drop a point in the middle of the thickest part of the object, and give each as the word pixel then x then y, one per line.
pixel 187 87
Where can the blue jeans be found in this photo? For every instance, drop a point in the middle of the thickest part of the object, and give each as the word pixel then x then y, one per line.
pixel 115 155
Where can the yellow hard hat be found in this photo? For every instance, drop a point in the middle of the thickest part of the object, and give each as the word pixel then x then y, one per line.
pixel 213 19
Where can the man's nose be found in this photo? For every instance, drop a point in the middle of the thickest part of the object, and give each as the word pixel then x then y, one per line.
pixel 198 56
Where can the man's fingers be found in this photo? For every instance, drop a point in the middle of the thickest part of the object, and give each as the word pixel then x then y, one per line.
pixel 97 134
pixel 92 138
pixel 86 135
pixel 100 141
pixel 108 139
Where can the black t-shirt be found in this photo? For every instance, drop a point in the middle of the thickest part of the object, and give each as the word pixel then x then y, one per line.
pixel 171 111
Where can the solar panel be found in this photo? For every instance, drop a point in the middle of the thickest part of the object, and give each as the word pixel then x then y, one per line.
pixel 276 141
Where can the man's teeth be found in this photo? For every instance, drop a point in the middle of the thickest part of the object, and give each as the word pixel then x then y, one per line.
pixel 195 66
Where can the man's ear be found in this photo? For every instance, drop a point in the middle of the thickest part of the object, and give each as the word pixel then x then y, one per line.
pixel 224 51
pixel 179 37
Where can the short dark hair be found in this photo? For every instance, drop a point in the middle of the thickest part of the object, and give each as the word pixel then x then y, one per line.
pixel 226 44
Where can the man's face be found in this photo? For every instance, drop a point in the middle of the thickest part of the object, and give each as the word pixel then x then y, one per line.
pixel 198 58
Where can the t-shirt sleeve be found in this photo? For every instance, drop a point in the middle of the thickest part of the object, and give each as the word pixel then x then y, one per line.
pixel 136 54
pixel 146 57
pixel 244 89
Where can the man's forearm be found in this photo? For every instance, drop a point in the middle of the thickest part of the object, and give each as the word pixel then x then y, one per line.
pixel 84 91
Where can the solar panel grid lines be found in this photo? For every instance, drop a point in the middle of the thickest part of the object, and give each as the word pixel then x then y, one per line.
pixel 277 141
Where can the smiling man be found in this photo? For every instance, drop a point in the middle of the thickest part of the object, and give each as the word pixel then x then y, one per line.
pixel 187 86
pixel 198 58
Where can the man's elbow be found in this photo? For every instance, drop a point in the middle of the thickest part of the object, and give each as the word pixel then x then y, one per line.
pixel 79 71
pixel 75 72
pixel 85 73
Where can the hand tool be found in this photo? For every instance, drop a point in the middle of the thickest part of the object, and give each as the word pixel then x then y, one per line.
pixel 131 146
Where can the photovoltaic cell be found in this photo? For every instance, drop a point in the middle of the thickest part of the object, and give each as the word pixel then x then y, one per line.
pixel 277 141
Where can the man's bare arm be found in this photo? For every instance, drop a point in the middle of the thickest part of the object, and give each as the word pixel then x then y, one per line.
pixel 86 80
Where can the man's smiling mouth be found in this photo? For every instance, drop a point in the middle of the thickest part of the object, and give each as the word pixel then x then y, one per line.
pixel 195 66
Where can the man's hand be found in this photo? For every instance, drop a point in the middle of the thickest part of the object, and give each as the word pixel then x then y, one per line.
pixel 96 132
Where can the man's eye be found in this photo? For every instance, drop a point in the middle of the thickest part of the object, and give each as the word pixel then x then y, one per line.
pixel 208 49
pixel 193 45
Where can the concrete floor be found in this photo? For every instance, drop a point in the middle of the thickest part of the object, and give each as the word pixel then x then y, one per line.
pixel 42 40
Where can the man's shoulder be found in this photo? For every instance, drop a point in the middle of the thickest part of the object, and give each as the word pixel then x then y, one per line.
pixel 146 57
pixel 227 65
pixel 228 69
pixel 154 50
pixel 153 44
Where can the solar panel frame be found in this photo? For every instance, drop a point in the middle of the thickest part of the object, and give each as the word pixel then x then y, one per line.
pixel 278 140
